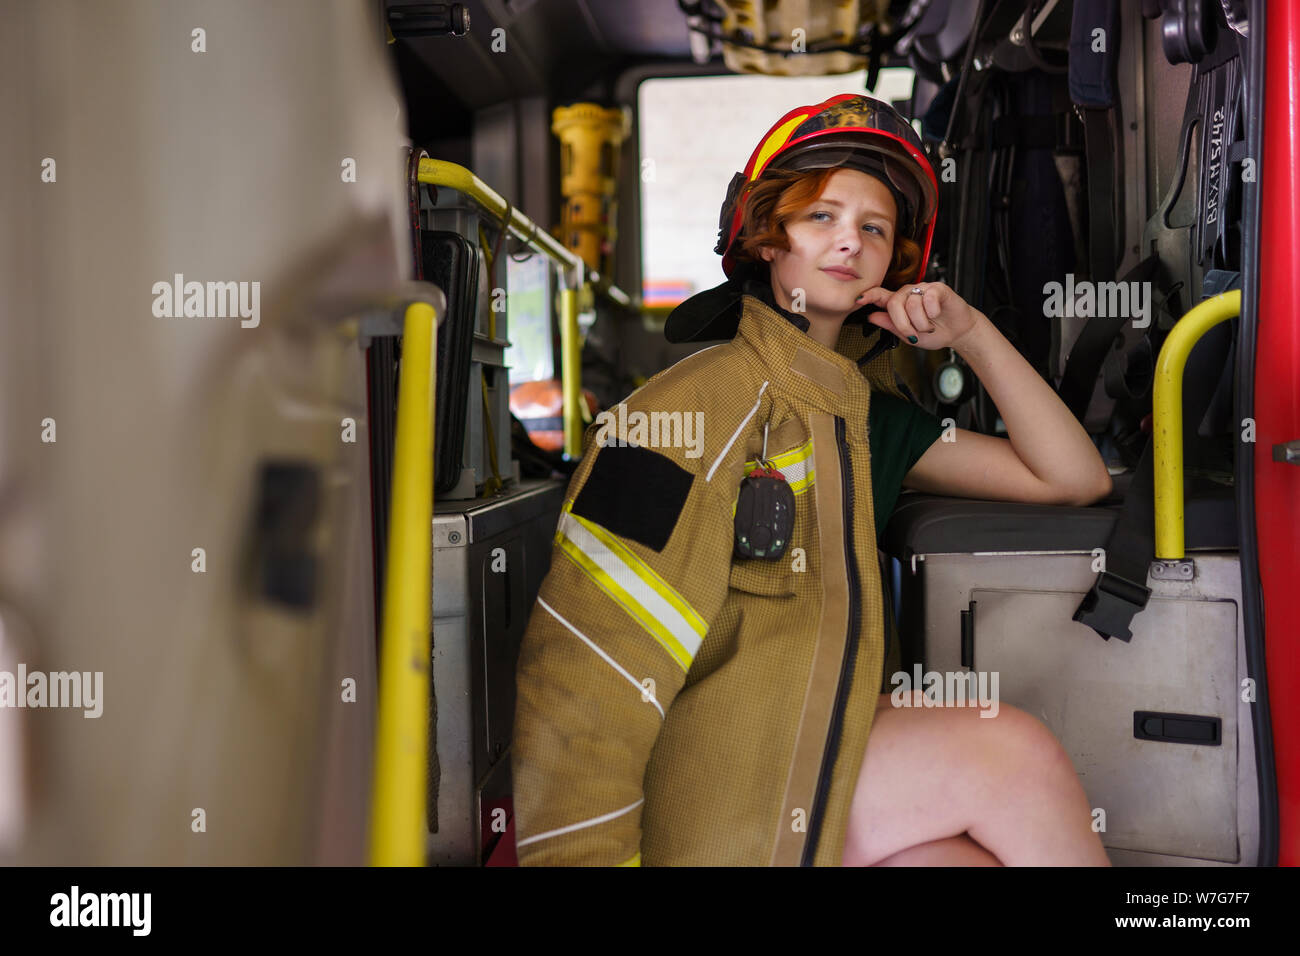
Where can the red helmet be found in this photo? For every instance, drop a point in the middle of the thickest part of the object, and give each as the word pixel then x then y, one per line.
pixel 850 130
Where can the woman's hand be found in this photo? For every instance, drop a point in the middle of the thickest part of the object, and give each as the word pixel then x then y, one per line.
pixel 933 319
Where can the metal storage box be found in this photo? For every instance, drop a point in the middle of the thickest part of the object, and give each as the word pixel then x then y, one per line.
pixel 489 559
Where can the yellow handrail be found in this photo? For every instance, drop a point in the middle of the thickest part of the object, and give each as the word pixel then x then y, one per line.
pixel 397 830
pixel 1167 417
pixel 439 173
pixel 574 274
pixel 571 372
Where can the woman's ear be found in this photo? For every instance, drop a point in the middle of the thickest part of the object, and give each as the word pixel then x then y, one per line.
pixel 765 253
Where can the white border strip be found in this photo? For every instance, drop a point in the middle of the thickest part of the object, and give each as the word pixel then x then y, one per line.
pixel 640 688
pixel 734 435
pixel 579 826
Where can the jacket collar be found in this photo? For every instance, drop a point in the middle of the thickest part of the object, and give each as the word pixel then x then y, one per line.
pixel 800 365
pixel 859 339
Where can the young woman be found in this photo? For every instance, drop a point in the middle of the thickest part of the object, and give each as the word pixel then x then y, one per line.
pixel 700 679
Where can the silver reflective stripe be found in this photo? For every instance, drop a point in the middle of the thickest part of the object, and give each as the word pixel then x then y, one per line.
pixel 609 660
pixel 736 434
pixel 594 821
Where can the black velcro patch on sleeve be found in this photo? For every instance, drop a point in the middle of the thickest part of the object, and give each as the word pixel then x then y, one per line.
pixel 635 493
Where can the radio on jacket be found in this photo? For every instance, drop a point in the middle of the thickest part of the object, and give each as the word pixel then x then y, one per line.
pixel 764 515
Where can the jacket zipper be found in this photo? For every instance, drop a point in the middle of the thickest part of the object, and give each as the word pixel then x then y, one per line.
pixel 850 653
pixel 884 343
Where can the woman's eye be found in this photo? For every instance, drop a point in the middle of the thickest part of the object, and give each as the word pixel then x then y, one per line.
pixel 821 216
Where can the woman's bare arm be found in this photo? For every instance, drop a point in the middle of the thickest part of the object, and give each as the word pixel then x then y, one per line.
pixel 1048 459
pixel 1042 430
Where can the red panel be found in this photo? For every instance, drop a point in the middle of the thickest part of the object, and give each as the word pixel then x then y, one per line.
pixel 1277 404
pixel 504 853
pixel 499 847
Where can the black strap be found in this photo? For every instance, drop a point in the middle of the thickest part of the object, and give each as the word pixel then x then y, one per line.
pixel 1055 131
pixel 1130 374
pixel 1092 83
pixel 1120 591
pixel 1099 146
pixel 1094 342
pixel 1092 78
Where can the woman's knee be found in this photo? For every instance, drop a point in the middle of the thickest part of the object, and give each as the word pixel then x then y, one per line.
pixel 960 766
pixel 1006 727
pixel 1029 733
pixel 1023 743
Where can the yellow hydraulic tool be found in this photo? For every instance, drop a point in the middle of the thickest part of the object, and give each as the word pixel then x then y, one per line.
pixel 590 139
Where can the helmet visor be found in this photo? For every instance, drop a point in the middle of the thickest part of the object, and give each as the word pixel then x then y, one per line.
pixel 913 208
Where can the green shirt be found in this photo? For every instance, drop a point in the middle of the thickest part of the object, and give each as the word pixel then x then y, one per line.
pixel 899 434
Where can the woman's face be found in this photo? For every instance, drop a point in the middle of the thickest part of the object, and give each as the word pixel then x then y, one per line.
pixel 840 246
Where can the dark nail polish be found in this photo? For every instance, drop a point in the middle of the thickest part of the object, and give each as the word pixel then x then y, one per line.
pixel 912 339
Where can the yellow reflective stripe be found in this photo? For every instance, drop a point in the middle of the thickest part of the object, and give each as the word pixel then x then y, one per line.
pixel 635 861
pixel 802 453
pixel 796 465
pixel 648 575
pixel 650 601
pixel 643 617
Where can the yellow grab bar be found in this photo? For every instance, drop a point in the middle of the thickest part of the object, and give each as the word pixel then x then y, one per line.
pixel 1167 417
pixel 439 173
pixel 574 275
pixel 397 822
pixel 571 372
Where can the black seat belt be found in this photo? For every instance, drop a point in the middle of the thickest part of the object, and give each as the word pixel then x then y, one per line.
pixel 1093 344
pixel 1120 591
pixel 1092 89
pixel 1101 156
pixel 1212 92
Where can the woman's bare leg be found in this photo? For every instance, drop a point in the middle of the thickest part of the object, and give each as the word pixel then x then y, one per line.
pixel 954 851
pixel 934 773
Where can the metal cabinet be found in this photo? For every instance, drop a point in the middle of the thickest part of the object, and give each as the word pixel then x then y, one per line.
pixel 489 561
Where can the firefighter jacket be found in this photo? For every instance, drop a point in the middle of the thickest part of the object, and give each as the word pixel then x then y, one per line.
pixel 676 705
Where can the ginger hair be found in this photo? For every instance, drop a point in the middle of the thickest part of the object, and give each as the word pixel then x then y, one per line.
pixel 770 202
